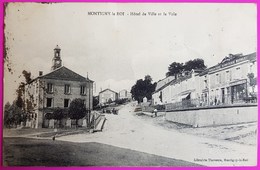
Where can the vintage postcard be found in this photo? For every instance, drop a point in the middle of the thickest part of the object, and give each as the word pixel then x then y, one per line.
pixel 130 84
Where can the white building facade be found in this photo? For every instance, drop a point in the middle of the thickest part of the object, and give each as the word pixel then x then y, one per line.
pixel 124 94
pixel 225 83
pixel 55 90
pixel 107 95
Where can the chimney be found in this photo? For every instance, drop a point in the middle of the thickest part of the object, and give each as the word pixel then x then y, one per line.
pixel 40 73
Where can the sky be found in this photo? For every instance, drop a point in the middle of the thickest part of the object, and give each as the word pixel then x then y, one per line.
pixel 115 50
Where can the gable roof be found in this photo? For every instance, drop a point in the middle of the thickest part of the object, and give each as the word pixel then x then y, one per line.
pixel 63 73
pixel 106 90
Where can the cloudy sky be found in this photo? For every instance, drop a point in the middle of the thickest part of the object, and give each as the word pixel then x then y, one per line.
pixel 115 51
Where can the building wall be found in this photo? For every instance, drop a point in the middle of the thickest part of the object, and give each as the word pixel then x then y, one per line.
pixel 226 83
pixel 155 98
pixel 124 94
pixel 106 95
pixel 58 94
pixel 37 94
pixel 214 116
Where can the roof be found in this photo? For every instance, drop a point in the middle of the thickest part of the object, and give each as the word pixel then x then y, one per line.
pixel 106 90
pixel 232 59
pixel 165 85
pixel 63 73
pixel 123 90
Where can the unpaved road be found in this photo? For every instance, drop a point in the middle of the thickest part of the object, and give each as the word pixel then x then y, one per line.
pixel 125 130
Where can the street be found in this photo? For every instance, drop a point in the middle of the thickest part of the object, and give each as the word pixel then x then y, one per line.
pixel 126 130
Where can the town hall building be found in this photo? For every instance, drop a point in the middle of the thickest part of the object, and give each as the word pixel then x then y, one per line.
pixel 55 90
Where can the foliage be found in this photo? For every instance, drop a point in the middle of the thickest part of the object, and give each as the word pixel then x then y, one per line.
pixel 121 101
pixel 21 90
pixel 13 115
pixel 77 109
pixel 109 101
pixel 27 76
pixel 176 68
pixel 48 116
pixel 58 113
pixel 7 115
pixel 95 102
pixel 160 107
pixel 143 88
pixel 194 64
pixel 252 80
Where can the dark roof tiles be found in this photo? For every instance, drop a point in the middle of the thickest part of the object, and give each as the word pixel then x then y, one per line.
pixel 64 73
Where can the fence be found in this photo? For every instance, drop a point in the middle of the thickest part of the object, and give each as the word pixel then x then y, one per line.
pixel 224 100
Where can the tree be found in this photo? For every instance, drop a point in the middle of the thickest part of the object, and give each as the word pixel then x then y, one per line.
pixel 143 88
pixel 27 76
pixel 177 68
pixel 174 69
pixel 194 64
pixel 252 81
pixel 109 101
pixel 58 114
pixel 7 115
pixel 19 102
pixel 148 78
pixel 77 110
pixel 95 102
pixel 13 115
pixel 48 116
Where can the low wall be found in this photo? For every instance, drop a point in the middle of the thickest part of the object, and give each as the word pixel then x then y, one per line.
pixel 213 116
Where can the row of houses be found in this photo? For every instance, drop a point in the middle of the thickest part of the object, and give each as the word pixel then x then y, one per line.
pixel 228 82
pixel 108 95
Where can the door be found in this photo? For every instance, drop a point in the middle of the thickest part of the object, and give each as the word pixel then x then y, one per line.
pixel 223 95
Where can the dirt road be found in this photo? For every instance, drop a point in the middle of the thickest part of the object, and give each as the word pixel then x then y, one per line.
pixel 125 130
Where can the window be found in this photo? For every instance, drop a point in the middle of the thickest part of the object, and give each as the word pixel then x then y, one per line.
pixel 49 102
pixel 83 90
pixel 66 102
pixel 205 84
pixel 238 73
pixel 217 78
pixel 227 75
pixel 67 89
pixel 49 88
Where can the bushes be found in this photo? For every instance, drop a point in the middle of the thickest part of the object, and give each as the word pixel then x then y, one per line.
pixel 160 107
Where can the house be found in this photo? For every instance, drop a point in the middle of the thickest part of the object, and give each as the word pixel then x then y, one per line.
pixel 225 83
pixel 229 81
pixel 124 94
pixel 186 87
pixel 55 89
pixel 162 93
pixel 107 95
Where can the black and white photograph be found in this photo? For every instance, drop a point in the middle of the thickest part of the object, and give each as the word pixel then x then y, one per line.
pixel 130 84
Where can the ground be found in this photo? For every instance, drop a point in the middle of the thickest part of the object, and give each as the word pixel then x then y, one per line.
pixel 58 153
pixel 244 133
pixel 153 136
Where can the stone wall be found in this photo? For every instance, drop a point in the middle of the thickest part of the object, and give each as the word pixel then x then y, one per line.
pixel 214 116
